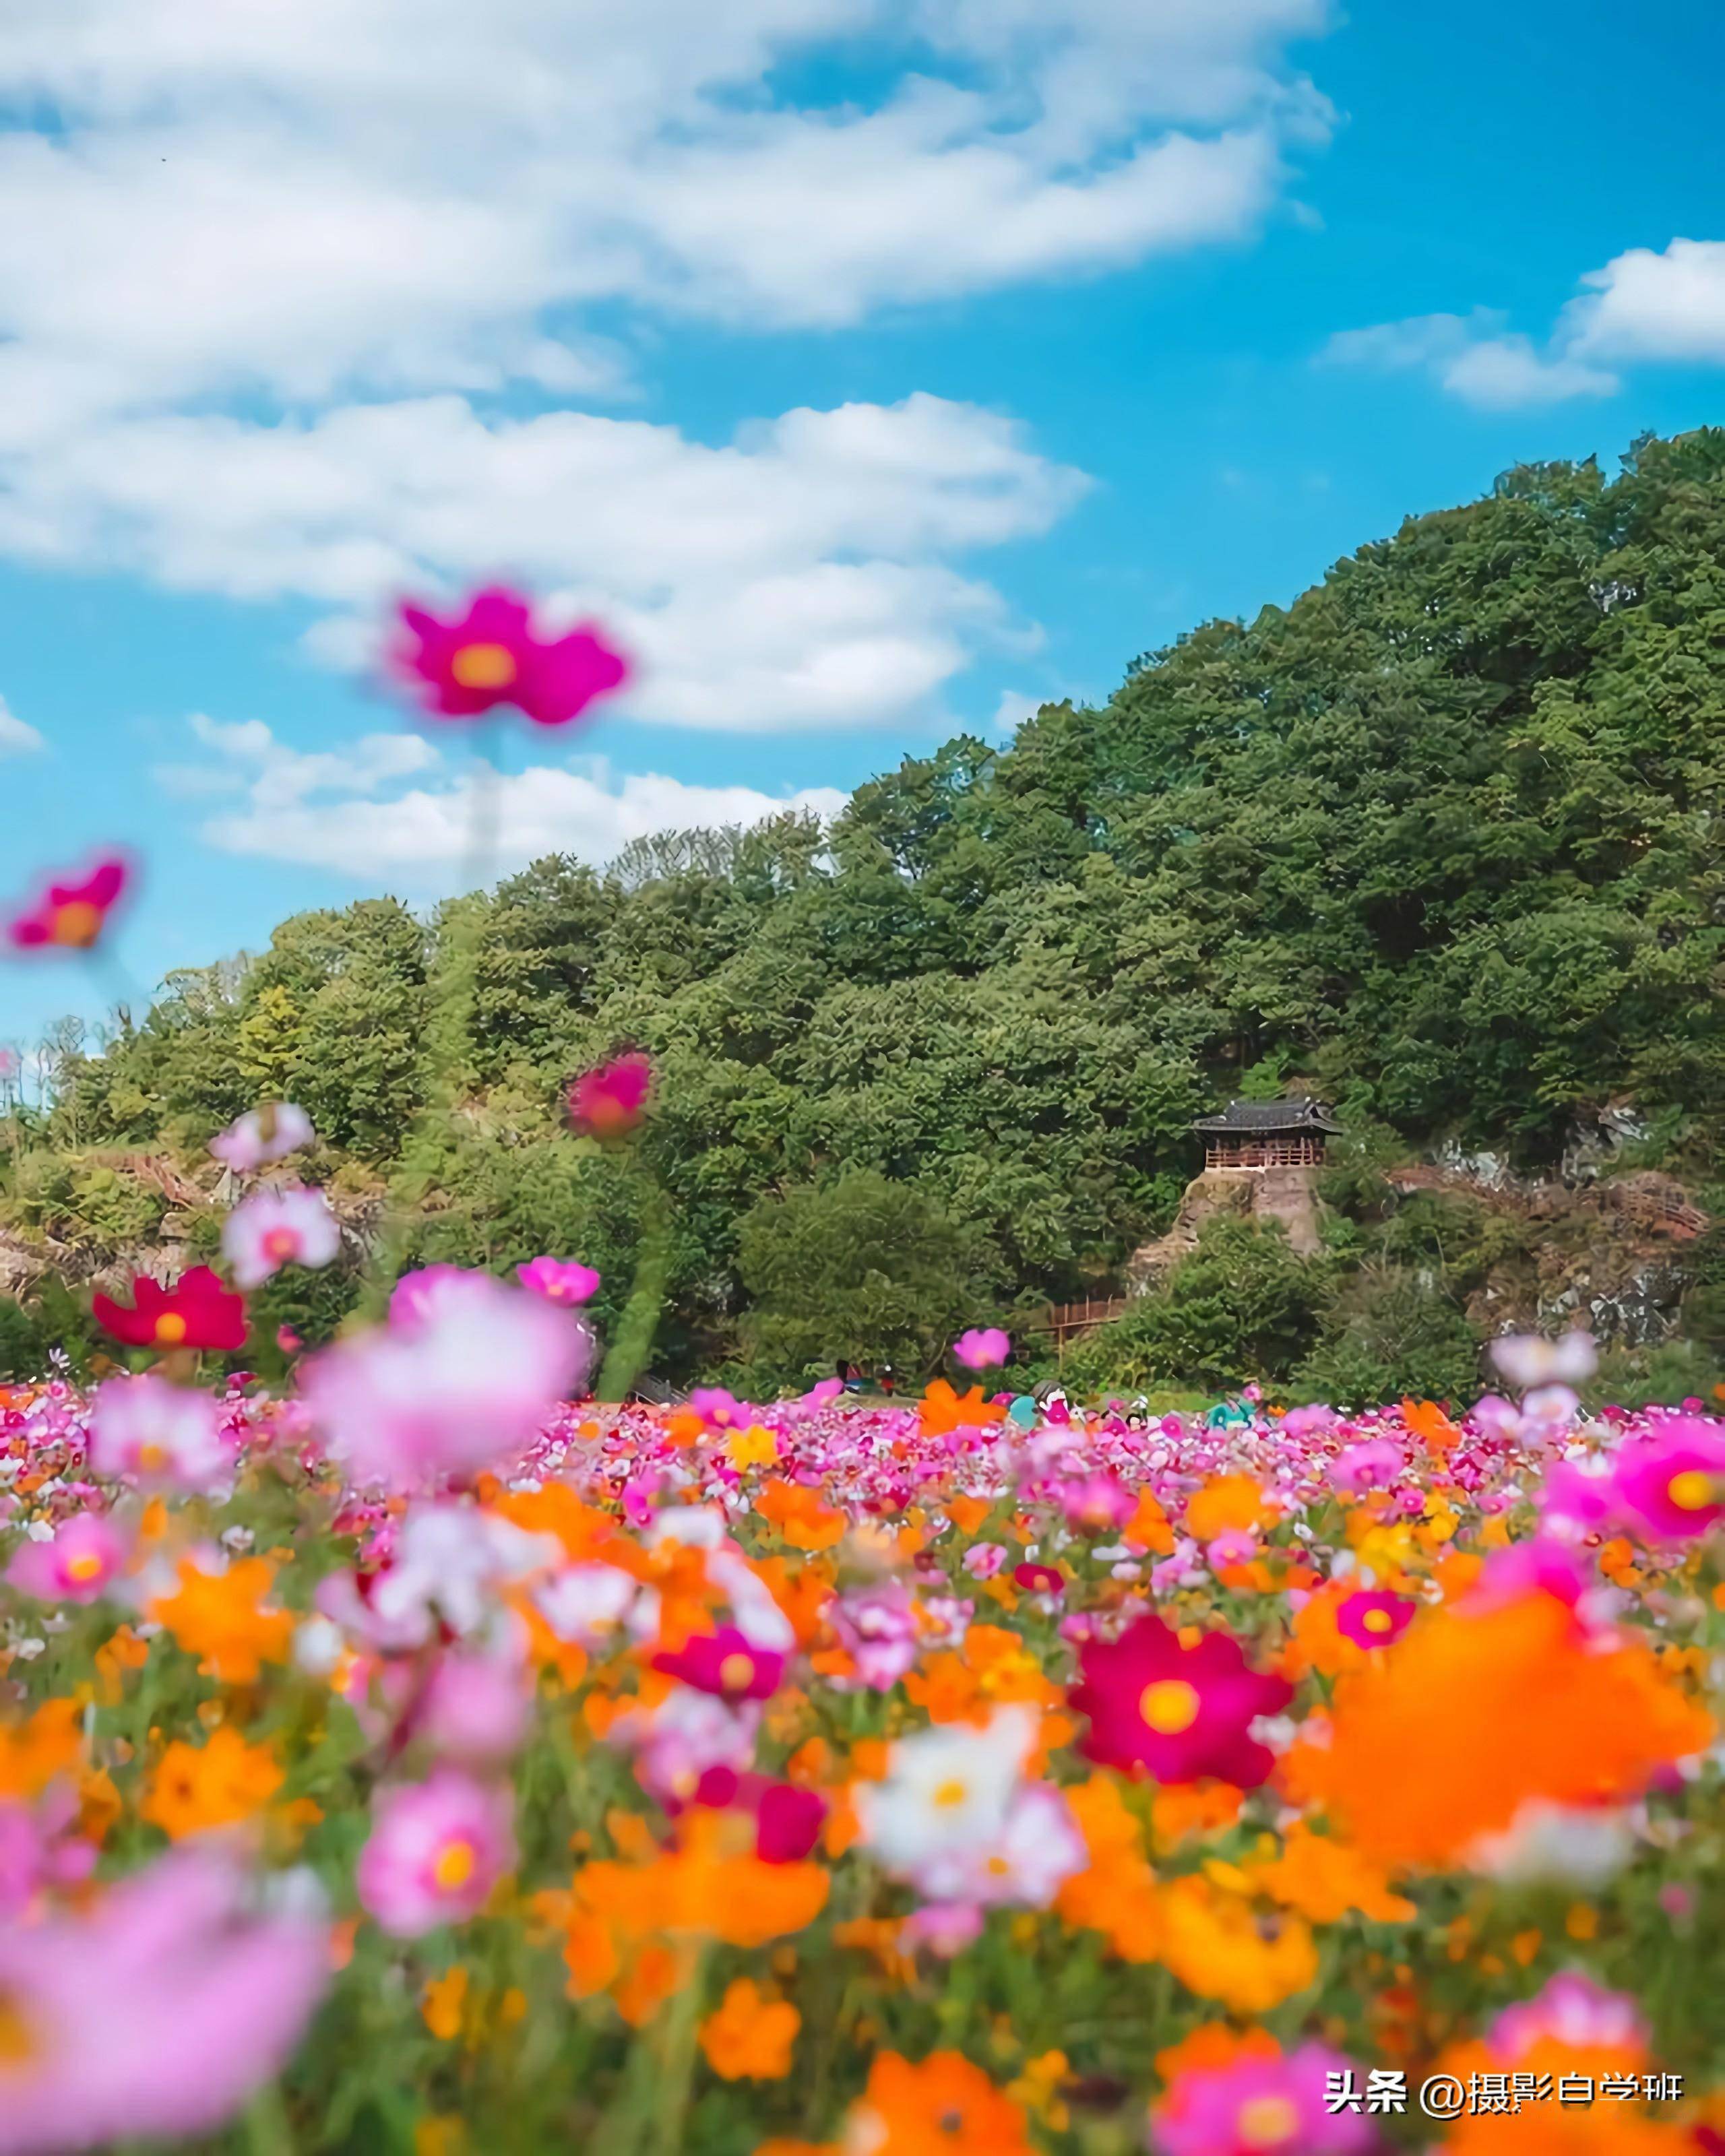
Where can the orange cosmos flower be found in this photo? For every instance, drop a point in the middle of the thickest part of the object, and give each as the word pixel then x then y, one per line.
pixel 1453 1729
pixel 750 2037
pixel 218 1616
pixel 945 2107
pixel 1325 1879
pixel 799 1516
pixel 192 1791
pixel 943 1409
pixel 1227 1503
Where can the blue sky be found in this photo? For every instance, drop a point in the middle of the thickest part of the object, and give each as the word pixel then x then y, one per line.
pixel 875 366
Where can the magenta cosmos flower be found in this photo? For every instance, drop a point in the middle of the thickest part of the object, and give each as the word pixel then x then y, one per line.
pixel 983 1347
pixel 1375 1618
pixel 1260 2104
pixel 156 2016
pixel 75 1566
pixel 71 917
pixel 1179 1713
pixel 559 1280
pixel 1671 1483
pixel 466 1373
pixel 436 1850
pixel 609 1102
pixel 490 655
pixel 726 1663
pixel 277 1228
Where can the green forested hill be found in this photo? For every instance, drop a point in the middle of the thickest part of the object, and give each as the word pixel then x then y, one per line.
pixel 1441 841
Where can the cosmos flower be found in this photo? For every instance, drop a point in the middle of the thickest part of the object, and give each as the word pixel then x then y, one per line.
pixel 464 1374
pixel 983 1347
pixel 74 1565
pixel 726 1663
pixel 275 1227
pixel 144 1430
pixel 1179 1713
pixel 72 915
pixel 262 1135
pixel 1259 2100
pixel 559 1280
pixel 1527 1362
pixel 609 1102
pixel 1671 1482
pixel 156 2014
pixel 1375 1618
pixel 437 1848
pixel 490 655
pixel 197 1312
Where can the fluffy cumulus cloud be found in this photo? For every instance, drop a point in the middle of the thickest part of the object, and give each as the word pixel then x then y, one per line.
pixel 327 299
pixel 1644 305
pixel 353 811
pixel 15 737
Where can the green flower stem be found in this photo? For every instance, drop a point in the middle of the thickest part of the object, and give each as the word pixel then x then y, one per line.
pixel 633 1342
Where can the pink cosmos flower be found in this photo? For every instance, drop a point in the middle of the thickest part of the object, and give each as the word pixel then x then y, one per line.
pixel 983 1347
pixel 160 1436
pixel 1671 1483
pixel 559 1280
pixel 1528 1361
pixel 262 1135
pixel 156 2016
pixel 465 1373
pixel 726 1663
pixel 1039 1579
pixel 490 655
pixel 877 1628
pixel 1371 1466
pixel 277 1228
pixel 609 1102
pixel 982 1560
pixel 76 1566
pixel 1261 2105
pixel 40 1848
pixel 1572 2010
pixel 1180 1712
pixel 787 1823
pixel 71 917
pixel 1375 1619
pixel 436 1850
pixel 719 1410
pixel 477 1708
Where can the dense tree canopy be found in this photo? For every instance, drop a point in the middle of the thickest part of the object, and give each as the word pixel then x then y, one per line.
pixel 1442 839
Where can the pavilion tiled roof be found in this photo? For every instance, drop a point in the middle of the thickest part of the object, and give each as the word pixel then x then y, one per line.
pixel 1263 1118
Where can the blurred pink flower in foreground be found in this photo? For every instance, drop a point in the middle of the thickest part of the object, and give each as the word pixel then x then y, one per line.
pixel 983 1347
pixel 71 917
pixel 560 1281
pixel 489 655
pixel 156 2016
pixel 609 1102
pixel 165 1436
pixel 275 1227
pixel 1671 1482
pixel 1268 2102
pixel 75 1566
pixel 465 1373
pixel 252 1141
pixel 437 1849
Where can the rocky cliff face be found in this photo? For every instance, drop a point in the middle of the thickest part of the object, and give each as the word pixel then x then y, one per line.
pixel 1288 1194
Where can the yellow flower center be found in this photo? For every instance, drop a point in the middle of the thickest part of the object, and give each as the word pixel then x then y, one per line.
pixel 1691 1491
pixel 484 666
pixel 77 925
pixel 18 2042
pixel 152 1458
pixel 951 1795
pixel 455 1865
pixel 280 1243
pixel 1169 1706
pixel 737 1672
pixel 87 1566
pixel 1265 2121
pixel 1378 1620
pixel 170 1329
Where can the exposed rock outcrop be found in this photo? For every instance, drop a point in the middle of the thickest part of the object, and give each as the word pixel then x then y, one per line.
pixel 1288 1194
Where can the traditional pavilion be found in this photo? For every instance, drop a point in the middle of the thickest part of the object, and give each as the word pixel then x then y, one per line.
pixel 1267 1134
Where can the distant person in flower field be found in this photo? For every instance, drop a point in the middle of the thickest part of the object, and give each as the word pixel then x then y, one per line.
pixel 72 915
pixel 491 655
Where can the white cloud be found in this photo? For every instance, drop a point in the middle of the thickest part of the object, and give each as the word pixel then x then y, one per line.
pixel 1646 305
pixel 1473 358
pixel 800 575
pixel 16 738
pixel 341 811
pixel 1013 710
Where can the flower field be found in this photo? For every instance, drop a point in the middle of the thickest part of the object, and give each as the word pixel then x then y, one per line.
pixel 408 1759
